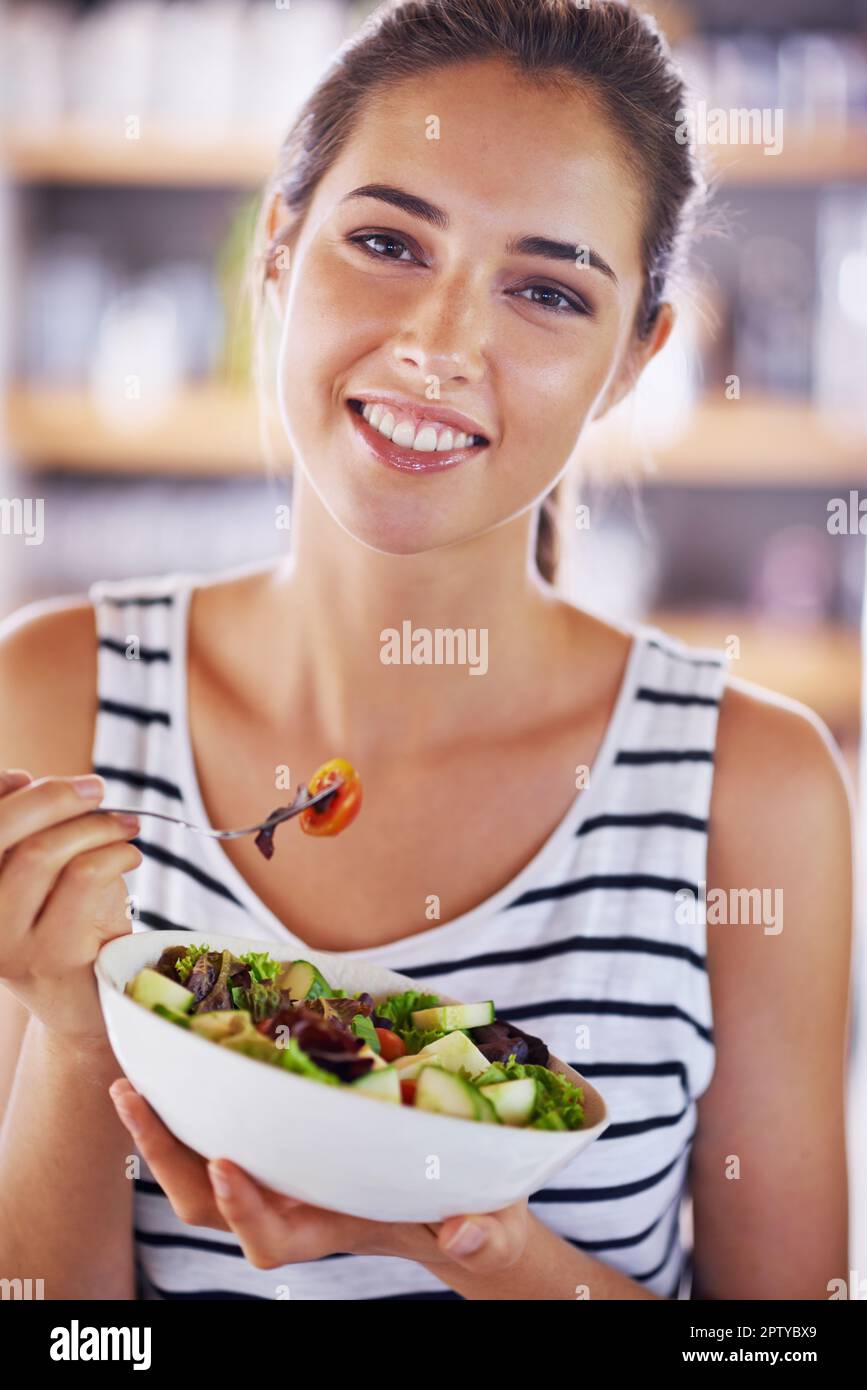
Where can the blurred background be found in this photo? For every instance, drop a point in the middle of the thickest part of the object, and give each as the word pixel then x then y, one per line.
pixel 134 139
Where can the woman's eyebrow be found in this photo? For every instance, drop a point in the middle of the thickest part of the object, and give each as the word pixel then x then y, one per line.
pixel 541 246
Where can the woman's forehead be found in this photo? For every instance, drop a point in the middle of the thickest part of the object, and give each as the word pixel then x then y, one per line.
pixel 496 162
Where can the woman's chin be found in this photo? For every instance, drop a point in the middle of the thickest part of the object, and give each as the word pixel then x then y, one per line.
pixel 387 525
pixel 388 539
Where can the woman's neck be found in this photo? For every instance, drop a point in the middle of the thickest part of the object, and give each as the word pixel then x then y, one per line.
pixel 409 653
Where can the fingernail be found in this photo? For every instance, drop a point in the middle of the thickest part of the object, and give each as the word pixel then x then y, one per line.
pixel 219 1181
pixel 89 787
pixel 131 822
pixel 468 1238
pixel 125 1113
pixel 14 777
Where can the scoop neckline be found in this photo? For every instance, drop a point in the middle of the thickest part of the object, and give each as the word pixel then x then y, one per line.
pixel 227 872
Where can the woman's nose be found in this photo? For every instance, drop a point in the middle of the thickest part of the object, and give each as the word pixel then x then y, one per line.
pixel 447 333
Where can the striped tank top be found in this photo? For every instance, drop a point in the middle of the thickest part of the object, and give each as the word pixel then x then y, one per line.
pixel 585 947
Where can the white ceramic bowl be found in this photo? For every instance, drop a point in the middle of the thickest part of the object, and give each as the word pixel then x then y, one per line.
pixel 321 1143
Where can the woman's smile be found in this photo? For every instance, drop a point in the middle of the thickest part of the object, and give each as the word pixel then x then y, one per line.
pixel 411 445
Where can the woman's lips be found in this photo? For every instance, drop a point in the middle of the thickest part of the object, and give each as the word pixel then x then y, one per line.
pixel 408 460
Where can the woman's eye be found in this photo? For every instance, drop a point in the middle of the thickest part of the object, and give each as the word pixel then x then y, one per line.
pixel 390 243
pixel 568 306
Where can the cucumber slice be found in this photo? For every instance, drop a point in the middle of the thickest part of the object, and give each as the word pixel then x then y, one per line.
pixel 455 1052
pixel 378 1063
pixel 223 1023
pixel 182 1020
pixel 514 1101
pixel 449 1016
pixel 408 1068
pixel 382 1083
pixel 304 981
pixel 150 987
pixel 443 1093
pixel 253 1044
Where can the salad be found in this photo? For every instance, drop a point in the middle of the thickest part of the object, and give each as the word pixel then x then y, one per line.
pixel 406 1049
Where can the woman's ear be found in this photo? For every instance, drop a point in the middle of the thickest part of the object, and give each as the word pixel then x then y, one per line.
pixel 272 293
pixel 637 359
pixel 279 237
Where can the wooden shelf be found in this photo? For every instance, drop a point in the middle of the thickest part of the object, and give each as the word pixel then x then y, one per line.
pixel 820 665
pixel 764 441
pixel 78 155
pixel 206 430
pixel 821 156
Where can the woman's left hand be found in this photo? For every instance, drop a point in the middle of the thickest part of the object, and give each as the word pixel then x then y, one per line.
pixel 274 1230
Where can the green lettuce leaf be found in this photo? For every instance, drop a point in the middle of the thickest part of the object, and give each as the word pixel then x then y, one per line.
pixel 363 1027
pixel 559 1104
pixel 294 1059
pixel 398 1007
pixel 185 963
pixel 262 966
pixel 262 999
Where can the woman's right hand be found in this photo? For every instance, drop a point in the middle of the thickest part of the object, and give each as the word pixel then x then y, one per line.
pixel 61 897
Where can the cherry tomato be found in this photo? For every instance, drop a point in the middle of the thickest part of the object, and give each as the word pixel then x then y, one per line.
pixel 407 1092
pixel 332 816
pixel 392 1046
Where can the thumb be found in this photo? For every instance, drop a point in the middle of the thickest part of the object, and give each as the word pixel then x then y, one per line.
pixel 480 1243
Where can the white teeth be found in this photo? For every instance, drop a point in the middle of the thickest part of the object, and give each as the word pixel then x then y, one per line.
pixel 428 438
pixel 404 434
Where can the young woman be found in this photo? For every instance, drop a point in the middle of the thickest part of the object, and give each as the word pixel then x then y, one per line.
pixel 470 231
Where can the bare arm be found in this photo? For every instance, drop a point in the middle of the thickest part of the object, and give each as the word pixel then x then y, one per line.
pixel 549 1268
pixel 65 1199
pixel 65 1202
pixel 769 1160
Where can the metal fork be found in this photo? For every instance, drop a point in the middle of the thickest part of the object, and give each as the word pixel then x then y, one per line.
pixel 302 800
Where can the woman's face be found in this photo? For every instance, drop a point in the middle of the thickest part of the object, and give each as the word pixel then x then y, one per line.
pixel 447 311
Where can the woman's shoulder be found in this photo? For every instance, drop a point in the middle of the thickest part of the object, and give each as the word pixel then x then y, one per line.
pixel 774 757
pixel 777 762
pixel 48 674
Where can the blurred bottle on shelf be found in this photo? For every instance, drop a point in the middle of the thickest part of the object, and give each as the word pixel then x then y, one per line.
pixel 823 81
pixel 196 71
pixel 137 364
pixel 67 286
pixel 840 341
pixel 795 577
pixel 285 52
pixel 110 66
pixel 745 72
pixel 772 316
pixel 818 79
pixel 34 54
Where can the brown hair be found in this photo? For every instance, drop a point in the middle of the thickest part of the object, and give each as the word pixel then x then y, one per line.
pixel 617 53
